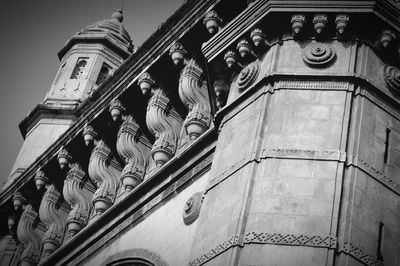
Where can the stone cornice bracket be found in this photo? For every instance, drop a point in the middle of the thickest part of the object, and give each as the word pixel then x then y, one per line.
pixel 29 237
pixel 165 124
pixel 116 109
pixel 64 158
pixel 212 21
pixel 320 22
pixel 231 59
pixel 18 200
pixel 135 149
pixel 298 22
pixel 391 75
pixel 50 214
pixel 146 83
pixel 104 171
pixel 193 93
pixel 78 199
pixel 89 135
pixel 178 53
pixel 342 22
pixel 244 49
pixel 258 38
pixel 387 38
pixel 41 180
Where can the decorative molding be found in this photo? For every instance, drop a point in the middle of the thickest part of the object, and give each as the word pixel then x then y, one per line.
pixel 194 94
pixel 374 173
pixel 391 75
pixel 165 124
pixel 191 211
pixel 77 193
pixel 104 171
pixel 29 236
pixel 310 85
pixel 318 54
pixel 136 253
pixel 373 97
pixel 54 220
pixel 248 75
pixel 359 254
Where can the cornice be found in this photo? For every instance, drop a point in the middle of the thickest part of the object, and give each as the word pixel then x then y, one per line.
pixel 158 43
pixel 260 9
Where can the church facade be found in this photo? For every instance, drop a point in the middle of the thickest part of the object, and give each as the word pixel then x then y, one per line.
pixel 261 132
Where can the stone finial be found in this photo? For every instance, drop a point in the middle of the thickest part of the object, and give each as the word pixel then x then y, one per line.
pixel 194 94
pixel 116 109
pixel 118 15
pixel 178 53
pixel 244 48
pixel 257 36
pixel 146 82
pixel 54 220
pixel 78 198
pixel 320 21
pixel 89 135
pixel 387 38
pixel 63 157
pixel 342 21
pixel 298 22
pixel 40 179
pixel 18 200
pixel 212 22
pixel 104 171
pixel 230 58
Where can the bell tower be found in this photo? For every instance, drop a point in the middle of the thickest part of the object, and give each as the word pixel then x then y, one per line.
pixel 87 60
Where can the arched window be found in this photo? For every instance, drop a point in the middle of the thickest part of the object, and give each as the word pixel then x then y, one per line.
pixel 135 257
pixel 104 73
pixel 79 69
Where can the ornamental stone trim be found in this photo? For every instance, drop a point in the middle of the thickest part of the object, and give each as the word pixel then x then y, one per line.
pixel 248 75
pixel 318 54
pixel 191 211
pixel 391 75
pixel 307 84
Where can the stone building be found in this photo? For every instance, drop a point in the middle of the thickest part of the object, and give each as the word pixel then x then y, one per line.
pixel 241 132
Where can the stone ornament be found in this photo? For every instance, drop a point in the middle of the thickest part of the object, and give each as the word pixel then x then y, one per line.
pixel 18 200
pixel 63 157
pixel 318 54
pixel 320 21
pixel 342 22
pixel 177 53
pixel 146 82
pixel 212 21
pixel 116 109
pixel 298 22
pixel 248 75
pixel 191 210
pixel 257 36
pixel 89 135
pixel 230 58
pixel 391 75
pixel 41 179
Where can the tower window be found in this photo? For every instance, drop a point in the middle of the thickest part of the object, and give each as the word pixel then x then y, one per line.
pixel 104 73
pixel 79 69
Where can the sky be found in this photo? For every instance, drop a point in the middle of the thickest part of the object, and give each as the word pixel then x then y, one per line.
pixel 32 34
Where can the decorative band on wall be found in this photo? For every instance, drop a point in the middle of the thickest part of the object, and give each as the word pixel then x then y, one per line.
pixel 312 85
pixel 317 241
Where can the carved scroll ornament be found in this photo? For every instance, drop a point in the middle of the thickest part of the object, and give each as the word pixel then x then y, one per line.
pixel 248 75
pixel 391 76
pixel 78 199
pixel 318 54
pixel 29 236
pixel 191 211
pixel 135 149
pixel 52 217
pixel 193 93
pixel 104 171
pixel 165 124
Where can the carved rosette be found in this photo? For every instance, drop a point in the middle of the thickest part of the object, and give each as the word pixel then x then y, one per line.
pixel 29 236
pixel 391 75
pixel 78 199
pixel 318 54
pixel 135 149
pixel 248 75
pixel 104 171
pixel 165 124
pixel 191 211
pixel 50 214
pixel 193 93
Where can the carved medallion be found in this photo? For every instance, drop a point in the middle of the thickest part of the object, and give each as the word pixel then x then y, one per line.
pixel 318 54
pixel 191 211
pixel 391 75
pixel 248 75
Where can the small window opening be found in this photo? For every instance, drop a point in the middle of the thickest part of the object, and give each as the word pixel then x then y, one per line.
pixel 386 154
pixel 79 69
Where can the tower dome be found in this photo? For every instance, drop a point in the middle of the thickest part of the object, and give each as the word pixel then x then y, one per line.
pixel 108 31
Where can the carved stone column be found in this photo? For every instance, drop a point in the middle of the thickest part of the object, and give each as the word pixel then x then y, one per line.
pixel 193 93
pixel 104 171
pixel 29 236
pixel 54 219
pixel 77 192
pixel 165 124
pixel 135 149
